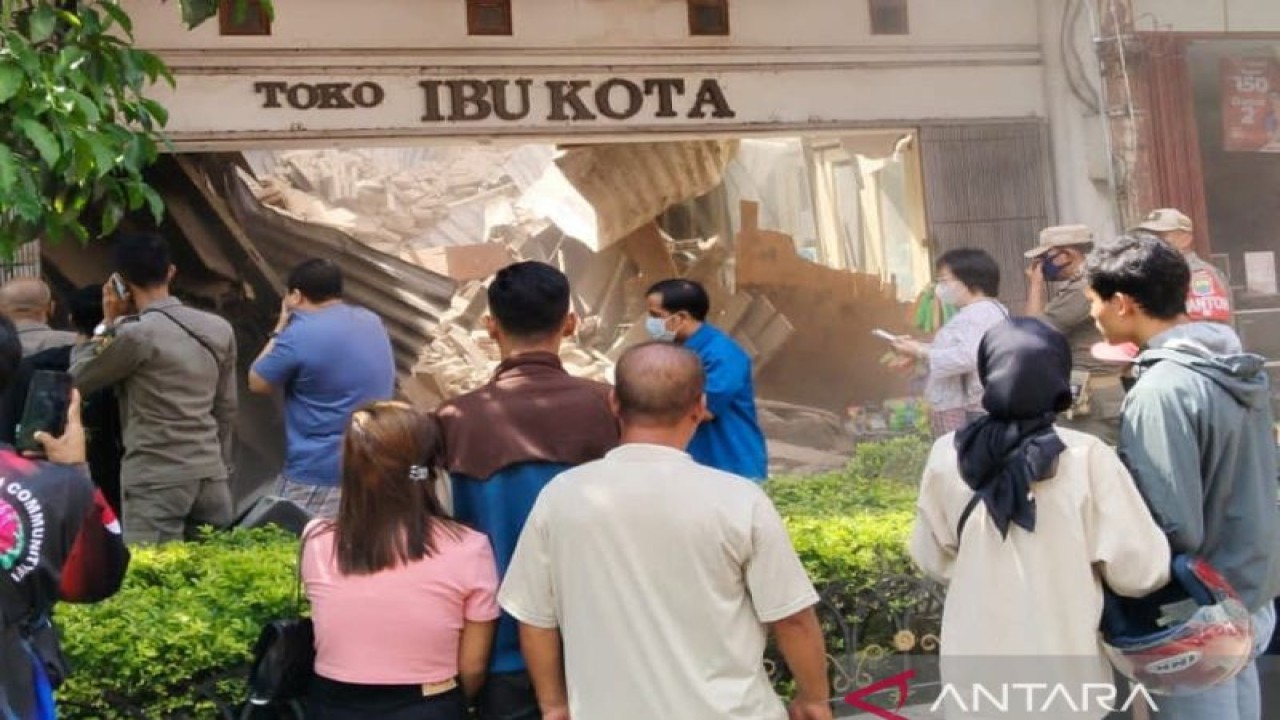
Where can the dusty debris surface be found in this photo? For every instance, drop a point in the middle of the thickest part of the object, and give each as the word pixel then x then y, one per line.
pixel 419 230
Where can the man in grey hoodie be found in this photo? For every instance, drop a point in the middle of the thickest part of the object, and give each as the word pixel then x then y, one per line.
pixel 1197 433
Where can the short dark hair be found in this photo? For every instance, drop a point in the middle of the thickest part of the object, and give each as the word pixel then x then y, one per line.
pixel 143 259
pixel 317 279
pixel 1145 268
pixel 10 351
pixel 529 299
pixel 658 383
pixel 85 306
pixel 679 294
pixel 973 267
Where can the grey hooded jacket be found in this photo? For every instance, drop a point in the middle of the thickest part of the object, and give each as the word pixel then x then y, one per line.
pixel 1197 434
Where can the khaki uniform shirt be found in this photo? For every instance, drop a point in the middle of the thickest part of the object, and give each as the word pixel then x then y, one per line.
pixel 177 397
pixel 1068 311
pixel 37 336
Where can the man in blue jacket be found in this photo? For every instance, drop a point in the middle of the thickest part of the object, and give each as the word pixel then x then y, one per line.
pixel 505 441
pixel 729 437
pixel 1197 433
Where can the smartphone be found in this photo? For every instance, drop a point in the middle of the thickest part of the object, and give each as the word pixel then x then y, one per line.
pixel 884 335
pixel 122 291
pixel 48 398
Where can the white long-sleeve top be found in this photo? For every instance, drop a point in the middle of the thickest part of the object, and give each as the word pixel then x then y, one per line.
pixel 953 357
pixel 1026 608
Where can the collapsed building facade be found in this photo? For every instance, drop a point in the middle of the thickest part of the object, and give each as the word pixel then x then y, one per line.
pixel 805 161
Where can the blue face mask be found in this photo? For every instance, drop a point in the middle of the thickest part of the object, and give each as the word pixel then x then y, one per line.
pixel 657 329
pixel 1051 272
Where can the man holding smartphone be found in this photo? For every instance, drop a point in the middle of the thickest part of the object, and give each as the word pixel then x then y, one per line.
pixel 174 369
pixel 81 557
pixel 329 358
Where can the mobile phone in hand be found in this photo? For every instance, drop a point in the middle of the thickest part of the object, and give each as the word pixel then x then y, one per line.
pixel 48 398
pixel 117 283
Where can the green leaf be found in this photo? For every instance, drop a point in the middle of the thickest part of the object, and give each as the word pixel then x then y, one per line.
pixel 8 170
pixel 43 22
pixel 154 67
pixel 70 59
pixel 11 78
pixel 45 142
pixel 104 157
pixel 118 15
pixel 156 110
pixel 155 202
pixel 112 214
pixel 87 107
pixel 195 12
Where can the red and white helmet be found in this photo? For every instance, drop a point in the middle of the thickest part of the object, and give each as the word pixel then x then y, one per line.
pixel 1208 641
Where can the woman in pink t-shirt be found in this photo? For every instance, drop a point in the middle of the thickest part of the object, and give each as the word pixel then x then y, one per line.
pixel 401 595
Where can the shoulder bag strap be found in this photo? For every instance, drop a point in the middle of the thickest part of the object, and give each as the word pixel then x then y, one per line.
pixel 194 335
pixel 964 516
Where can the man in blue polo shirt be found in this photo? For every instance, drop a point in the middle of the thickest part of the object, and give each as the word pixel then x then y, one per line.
pixel 729 438
pixel 329 358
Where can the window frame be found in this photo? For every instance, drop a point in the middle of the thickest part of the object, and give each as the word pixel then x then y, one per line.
pixel 475 26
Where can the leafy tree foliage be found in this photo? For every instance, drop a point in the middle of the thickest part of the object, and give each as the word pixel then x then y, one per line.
pixel 76 126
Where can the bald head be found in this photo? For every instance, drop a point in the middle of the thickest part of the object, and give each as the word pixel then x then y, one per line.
pixel 26 299
pixel 658 384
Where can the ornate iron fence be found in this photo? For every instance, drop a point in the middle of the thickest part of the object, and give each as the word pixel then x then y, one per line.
pixel 875 631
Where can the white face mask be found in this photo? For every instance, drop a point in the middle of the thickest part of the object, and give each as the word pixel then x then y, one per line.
pixel 657 329
pixel 949 292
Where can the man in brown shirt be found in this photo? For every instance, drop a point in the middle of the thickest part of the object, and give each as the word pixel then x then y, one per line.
pixel 505 441
pixel 173 368
pixel 1059 258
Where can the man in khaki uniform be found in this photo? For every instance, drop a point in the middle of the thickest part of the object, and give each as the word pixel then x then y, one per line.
pixel 28 303
pixel 1059 258
pixel 174 370
pixel 1209 295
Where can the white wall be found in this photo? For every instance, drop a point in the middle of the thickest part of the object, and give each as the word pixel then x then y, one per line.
pixel 1077 132
pixel 599 24
pixel 794 65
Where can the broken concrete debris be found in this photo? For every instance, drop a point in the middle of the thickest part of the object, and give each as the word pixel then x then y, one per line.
pixel 466 212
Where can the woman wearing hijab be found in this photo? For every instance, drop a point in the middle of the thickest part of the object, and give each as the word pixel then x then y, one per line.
pixel 1025 521
pixel 967 279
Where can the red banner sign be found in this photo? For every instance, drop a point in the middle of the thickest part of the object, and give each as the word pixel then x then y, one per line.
pixel 1251 104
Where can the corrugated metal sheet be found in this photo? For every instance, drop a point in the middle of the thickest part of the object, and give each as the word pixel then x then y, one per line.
pixel 987 186
pixel 409 299
pixel 629 184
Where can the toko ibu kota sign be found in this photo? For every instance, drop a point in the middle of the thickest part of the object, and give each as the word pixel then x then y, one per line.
pixel 513 99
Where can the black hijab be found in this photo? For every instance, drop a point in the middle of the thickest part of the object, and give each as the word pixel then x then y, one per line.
pixel 1025 367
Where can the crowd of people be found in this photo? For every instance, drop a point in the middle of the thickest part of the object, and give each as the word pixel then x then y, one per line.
pixel 547 546
pixel 1123 434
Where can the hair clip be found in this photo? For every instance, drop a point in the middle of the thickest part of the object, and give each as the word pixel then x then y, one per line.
pixel 419 473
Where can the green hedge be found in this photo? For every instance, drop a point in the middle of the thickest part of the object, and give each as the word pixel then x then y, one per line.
pixel 852 525
pixel 179 633
pixel 188 614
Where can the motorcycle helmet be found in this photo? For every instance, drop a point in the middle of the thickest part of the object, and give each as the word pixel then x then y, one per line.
pixel 1190 636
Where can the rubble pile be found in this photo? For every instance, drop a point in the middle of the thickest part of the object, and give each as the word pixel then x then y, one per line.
pixel 466 212
pixel 462 357
pixel 407 202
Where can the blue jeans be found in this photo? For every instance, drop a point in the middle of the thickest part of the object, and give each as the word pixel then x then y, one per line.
pixel 1238 699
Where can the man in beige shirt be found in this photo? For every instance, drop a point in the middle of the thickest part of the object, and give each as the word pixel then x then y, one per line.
pixel 661 576
pixel 28 303
pixel 174 369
